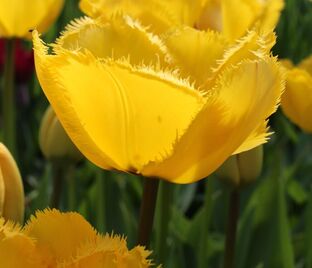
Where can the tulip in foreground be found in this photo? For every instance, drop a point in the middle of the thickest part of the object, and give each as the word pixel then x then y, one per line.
pixel 141 108
pixel 11 188
pixel 52 239
pixel 297 100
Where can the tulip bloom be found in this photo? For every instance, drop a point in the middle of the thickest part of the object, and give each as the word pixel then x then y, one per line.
pixel 297 100
pixel 11 188
pixel 231 17
pixel 17 17
pixel 55 239
pixel 132 108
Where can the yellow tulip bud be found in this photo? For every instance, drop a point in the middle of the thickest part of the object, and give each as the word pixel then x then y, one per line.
pixel 11 188
pixel 53 140
pixel 242 169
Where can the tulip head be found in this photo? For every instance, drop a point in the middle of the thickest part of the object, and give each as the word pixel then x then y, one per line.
pixel 144 109
pixel 11 188
pixel 242 169
pixel 18 17
pixel 297 99
pixel 53 140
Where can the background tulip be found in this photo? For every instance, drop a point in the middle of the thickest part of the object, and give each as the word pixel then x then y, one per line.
pixel 11 188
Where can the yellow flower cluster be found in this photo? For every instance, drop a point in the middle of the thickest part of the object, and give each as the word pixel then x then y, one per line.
pixel 173 106
pixel 54 239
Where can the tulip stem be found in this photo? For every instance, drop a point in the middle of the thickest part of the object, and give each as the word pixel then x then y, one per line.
pixel 8 98
pixel 71 184
pixel 233 215
pixel 101 181
pixel 147 211
pixel 164 205
pixel 57 185
pixel 208 207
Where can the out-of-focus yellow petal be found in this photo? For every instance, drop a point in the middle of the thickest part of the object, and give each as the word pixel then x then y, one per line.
pixel 14 203
pixel 58 235
pixel 108 251
pixel 235 17
pixel 119 116
pixel 306 64
pixel 159 15
pixel 297 99
pixel 2 193
pixel 259 136
pixel 288 64
pixel 17 17
pixel 119 37
pixel 16 249
pixel 195 52
pixel 221 127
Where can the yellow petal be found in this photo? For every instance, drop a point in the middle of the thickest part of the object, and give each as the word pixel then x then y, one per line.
pixel 306 64
pixel 154 14
pixel 195 52
pixel 117 38
pixel 109 251
pixel 243 97
pixel 14 203
pixel 118 116
pixel 297 99
pixel 58 235
pixel 252 46
pixel 17 17
pixel 238 16
pixel 259 136
pixel 16 249
pixel 2 193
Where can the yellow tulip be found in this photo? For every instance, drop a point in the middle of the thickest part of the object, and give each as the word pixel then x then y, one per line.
pixel 125 109
pixel 18 17
pixel 53 140
pixel 11 188
pixel 54 239
pixel 297 99
pixel 231 17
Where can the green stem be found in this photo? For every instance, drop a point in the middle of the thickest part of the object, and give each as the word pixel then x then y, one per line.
pixel 57 185
pixel 71 183
pixel 8 99
pixel 233 215
pixel 101 204
pixel 164 205
pixel 147 211
pixel 208 206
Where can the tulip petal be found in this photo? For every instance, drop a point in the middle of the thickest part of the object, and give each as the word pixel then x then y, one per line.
pixel 117 38
pixel 16 249
pixel 243 97
pixel 195 52
pixel 119 116
pixel 240 15
pixel 306 64
pixel 14 203
pixel 297 99
pixel 59 235
pixel 259 136
pixel 17 17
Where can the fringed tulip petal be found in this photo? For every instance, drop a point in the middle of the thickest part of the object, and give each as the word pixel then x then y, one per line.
pixel 297 99
pixel 118 115
pixel 195 53
pixel 117 38
pixel 220 128
pixel 16 249
pixel 18 17
pixel 108 251
pixel 59 235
